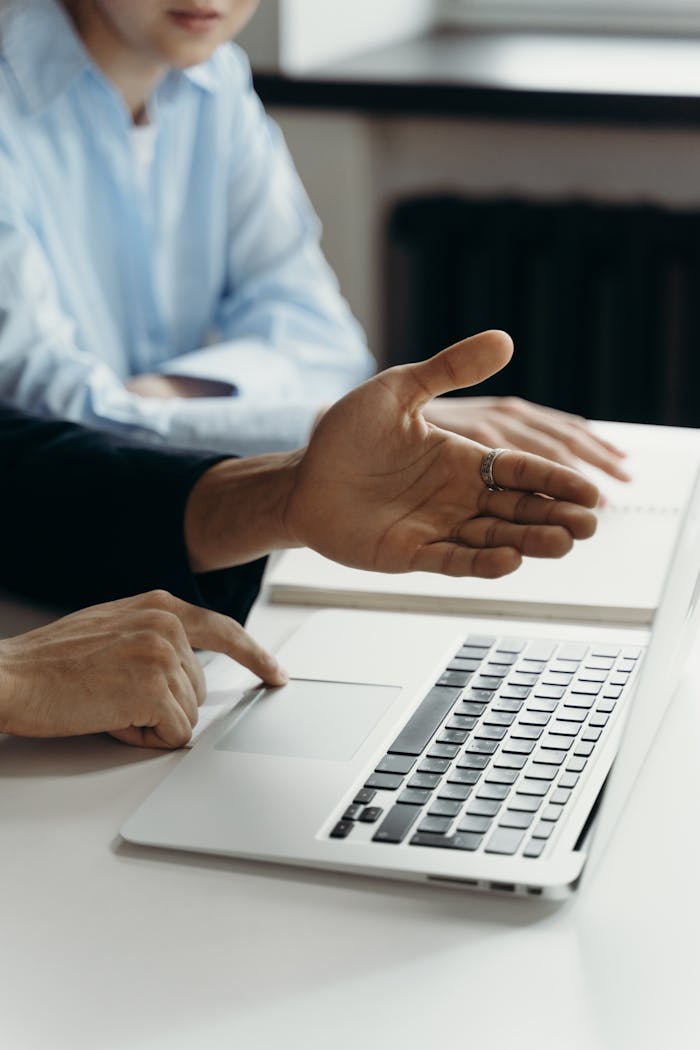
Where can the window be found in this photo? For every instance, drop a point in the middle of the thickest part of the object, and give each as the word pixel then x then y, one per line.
pixel 660 16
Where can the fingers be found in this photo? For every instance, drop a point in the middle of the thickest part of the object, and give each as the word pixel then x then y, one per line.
pixel 464 364
pixel 533 541
pixel 210 630
pixel 529 473
pixel 453 559
pixel 524 508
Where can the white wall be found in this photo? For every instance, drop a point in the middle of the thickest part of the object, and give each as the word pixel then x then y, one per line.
pixel 293 35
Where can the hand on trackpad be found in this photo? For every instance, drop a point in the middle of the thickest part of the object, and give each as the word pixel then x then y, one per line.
pixel 310 719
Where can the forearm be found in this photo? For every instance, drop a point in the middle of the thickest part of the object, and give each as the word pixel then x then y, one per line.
pixel 237 511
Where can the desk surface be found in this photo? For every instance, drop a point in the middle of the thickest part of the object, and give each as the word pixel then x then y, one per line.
pixel 111 947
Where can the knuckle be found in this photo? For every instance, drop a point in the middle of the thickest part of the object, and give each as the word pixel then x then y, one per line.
pixel 161 599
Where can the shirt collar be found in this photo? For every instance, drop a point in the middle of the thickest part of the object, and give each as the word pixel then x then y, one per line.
pixel 46 55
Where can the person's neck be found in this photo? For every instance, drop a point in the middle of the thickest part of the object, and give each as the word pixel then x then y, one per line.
pixel 135 76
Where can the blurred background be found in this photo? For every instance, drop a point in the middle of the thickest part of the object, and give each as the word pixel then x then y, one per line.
pixel 532 166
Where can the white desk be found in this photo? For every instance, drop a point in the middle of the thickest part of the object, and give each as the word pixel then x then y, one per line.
pixel 110 947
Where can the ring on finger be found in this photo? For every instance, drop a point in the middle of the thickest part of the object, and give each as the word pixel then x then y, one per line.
pixel 486 470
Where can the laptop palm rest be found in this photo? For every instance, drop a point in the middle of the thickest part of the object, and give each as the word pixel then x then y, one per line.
pixel 310 719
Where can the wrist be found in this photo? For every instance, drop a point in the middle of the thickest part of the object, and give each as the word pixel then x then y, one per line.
pixel 237 511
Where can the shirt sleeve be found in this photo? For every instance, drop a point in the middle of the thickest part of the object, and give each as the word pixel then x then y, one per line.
pixel 88 518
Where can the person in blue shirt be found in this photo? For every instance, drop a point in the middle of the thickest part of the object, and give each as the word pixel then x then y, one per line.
pixel 160 268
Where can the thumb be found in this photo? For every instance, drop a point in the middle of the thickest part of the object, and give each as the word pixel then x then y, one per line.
pixel 463 364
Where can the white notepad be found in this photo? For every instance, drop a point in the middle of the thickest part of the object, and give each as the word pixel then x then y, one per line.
pixel 616 576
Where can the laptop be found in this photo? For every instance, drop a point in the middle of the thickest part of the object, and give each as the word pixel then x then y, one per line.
pixel 469 752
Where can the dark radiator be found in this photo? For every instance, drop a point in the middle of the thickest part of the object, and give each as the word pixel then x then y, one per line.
pixel 603 302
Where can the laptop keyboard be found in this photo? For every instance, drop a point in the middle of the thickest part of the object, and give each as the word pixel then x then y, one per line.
pixel 490 758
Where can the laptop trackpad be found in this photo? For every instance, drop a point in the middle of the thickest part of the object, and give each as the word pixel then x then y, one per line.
pixel 310 719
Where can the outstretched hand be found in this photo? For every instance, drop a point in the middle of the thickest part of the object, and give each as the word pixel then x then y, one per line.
pixel 380 487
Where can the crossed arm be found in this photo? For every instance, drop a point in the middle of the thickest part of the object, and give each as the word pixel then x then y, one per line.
pixel 379 487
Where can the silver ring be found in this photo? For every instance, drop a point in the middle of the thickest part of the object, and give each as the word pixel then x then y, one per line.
pixel 487 470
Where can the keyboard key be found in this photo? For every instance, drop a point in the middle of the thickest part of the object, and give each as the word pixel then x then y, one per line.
pixel 413 797
pixel 509 761
pixel 507 704
pixel 626 666
pixel 515 692
pixel 568 780
pixel 592 674
pixel 512 819
pixel 604 650
pixel 483 808
pixel 540 704
pixel 549 692
pixel 460 663
pixel 482 747
pixel 584 703
pixel 520 678
pixel 352 812
pixel 533 786
pixel 482 641
pixel 556 678
pixel 522 732
pixel 448 751
pixel 560 795
pixel 458 792
pixel 510 645
pixel 542 771
pixel 525 803
pixel 550 757
pixel 435 825
pixel 494 670
pixel 384 781
pixel 493 791
pixel 543 829
pixel 584 749
pixel 534 718
pixel 498 718
pixel 556 742
pixel 631 653
pixel 342 829
pixel 424 721
pixel 576 765
pixel 461 840
pixel 479 696
pixel 395 764
pixel 504 840
pixel 469 761
pixel 572 714
pixel 452 736
pixel 604 663
pixel 501 776
pixel 434 765
pixel 478 825
pixel 364 796
pixel 457 678
pixel 473 652
pixel 518 747
pixel 592 735
pixel 605 707
pixel 598 721
pixel 620 680
pixel 534 848
pixel 562 728
pixel 484 682
pixel 551 813
pixel 486 732
pixel 463 776
pixel 575 651
pixel 396 824
pixel 470 709
pixel 563 666
pixel 443 807
pixel 424 780
pixel 500 656
pixel 537 650
pixel 585 688
pixel 462 722
pixel 612 692
pixel 371 814
pixel 532 666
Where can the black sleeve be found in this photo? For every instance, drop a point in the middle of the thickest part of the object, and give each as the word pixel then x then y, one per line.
pixel 86 517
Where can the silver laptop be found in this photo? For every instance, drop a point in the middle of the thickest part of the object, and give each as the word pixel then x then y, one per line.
pixel 460 751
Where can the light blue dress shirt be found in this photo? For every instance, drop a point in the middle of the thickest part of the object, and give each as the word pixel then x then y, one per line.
pixel 207 264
